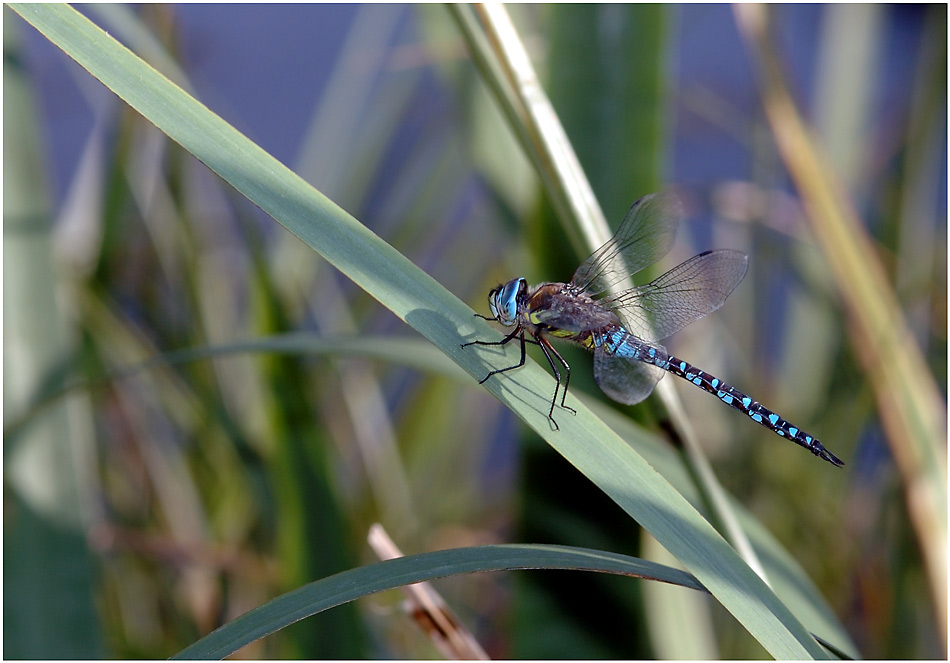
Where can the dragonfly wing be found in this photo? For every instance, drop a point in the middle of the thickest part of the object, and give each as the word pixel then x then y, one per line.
pixel 682 295
pixel 645 235
pixel 627 381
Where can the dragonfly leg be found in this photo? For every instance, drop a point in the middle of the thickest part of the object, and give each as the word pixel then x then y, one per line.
pixel 546 346
pixel 567 376
pixel 502 342
pixel 548 349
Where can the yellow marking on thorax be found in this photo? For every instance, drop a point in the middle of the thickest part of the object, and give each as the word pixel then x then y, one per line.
pixel 588 342
pixel 533 317
pixel 561 333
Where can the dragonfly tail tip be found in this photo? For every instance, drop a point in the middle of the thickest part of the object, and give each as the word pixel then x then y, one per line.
pixel 830 457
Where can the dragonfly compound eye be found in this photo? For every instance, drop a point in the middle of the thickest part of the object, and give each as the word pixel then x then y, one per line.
pixel 505 302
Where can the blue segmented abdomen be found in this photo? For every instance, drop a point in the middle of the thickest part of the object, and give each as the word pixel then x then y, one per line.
pixel 617 341
pixel 756 411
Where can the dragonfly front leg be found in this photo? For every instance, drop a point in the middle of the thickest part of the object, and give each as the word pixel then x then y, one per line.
pixel 515 332
pixel 503 341
pixel 548 349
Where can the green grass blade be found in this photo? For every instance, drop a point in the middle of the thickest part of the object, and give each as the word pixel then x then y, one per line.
pixel 48 485
pixel 620 79
pixel 913 410
pixel 584 440
pixel 410 352
pixel 390 574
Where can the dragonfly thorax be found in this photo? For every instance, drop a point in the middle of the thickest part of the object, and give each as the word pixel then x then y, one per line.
pixel 505 300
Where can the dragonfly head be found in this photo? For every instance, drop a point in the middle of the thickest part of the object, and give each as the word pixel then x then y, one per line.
pixel 503 301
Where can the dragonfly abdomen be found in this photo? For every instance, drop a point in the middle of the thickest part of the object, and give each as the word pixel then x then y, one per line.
pixel 755 410
pixel 618 341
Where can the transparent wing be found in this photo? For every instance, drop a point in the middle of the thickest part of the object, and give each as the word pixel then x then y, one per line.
pixel 627 381
pixel 682 295
pixel 645 235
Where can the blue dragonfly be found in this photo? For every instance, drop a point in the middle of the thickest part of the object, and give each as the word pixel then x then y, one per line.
pixel 623 330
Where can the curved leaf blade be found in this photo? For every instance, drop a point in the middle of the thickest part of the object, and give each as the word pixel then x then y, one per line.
pixel 391 574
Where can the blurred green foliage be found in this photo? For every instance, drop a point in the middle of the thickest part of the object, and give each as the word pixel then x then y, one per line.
pixel 196 491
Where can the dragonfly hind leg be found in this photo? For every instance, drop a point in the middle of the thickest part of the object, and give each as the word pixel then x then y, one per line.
pixel 548 349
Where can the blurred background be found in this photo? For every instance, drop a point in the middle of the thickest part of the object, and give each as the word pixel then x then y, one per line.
pixel 143 508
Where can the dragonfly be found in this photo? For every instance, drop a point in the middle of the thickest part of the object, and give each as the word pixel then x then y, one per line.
pixel 623 330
